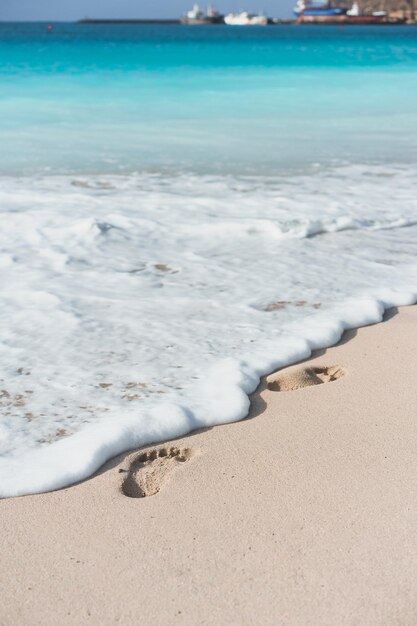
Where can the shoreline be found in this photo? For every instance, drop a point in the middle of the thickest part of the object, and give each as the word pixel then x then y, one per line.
pixel 304 512
pixel 234 380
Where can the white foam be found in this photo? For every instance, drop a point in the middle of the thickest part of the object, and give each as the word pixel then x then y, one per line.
pixel 138 308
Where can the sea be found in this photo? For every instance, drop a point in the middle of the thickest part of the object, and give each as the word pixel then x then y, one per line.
pixel 184 210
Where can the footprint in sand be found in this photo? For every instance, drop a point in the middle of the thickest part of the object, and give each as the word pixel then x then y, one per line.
pixel 306 377
pixel 149 470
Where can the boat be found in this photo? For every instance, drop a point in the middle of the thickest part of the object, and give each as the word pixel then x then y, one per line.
pixel 323 12
pixel 245 19
pixel 317 8
pixel 354 12
pixel 197 16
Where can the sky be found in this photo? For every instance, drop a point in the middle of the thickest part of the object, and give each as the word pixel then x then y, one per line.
pixel 49 10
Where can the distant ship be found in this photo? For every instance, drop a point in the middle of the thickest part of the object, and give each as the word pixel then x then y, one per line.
pixel 355 12
pixel 197 16
pixel 323 12
pixel 317 8
pixel 245 19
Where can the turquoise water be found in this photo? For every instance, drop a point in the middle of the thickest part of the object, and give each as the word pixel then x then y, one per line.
pixel 205 99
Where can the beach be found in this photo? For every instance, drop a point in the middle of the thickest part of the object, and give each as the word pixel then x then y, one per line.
pixel 208 325
pixel 304 513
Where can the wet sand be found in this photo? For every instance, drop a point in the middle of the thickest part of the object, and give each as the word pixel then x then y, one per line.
pixel 304 513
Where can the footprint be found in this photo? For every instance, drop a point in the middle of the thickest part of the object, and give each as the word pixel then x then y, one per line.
pixel 149 470
pixel 306 377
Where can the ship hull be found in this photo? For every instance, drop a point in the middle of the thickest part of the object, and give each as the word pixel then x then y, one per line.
pixel 347 20
pixel 259 21
pixel 202 21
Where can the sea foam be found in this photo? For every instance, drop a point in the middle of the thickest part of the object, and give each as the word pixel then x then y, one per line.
pixel 139 308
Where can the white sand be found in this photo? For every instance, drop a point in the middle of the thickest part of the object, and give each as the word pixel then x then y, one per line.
pixel 306 513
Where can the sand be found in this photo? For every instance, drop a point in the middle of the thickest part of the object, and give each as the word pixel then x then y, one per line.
pixel 305 513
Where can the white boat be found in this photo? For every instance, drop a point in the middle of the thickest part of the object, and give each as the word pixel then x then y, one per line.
pixel 197 16
pixel 245 19
pixel 354 10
